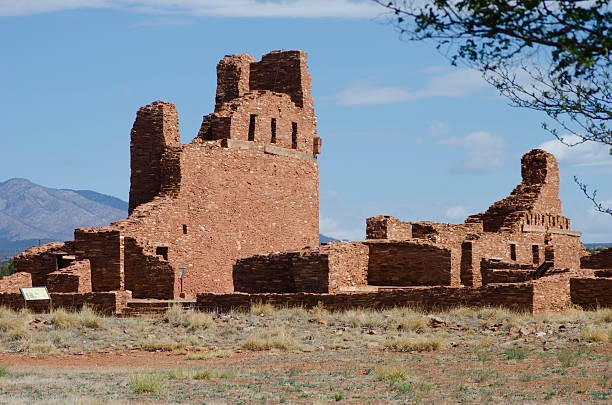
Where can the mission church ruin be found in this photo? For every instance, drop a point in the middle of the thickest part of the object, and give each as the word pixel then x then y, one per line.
pixel 233 216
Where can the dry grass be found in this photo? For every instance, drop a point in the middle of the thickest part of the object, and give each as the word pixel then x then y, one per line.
pixel 263 309
pixel 85 318
pixel 148 382
pixel 216 354
pixel 392 375
pixel 415 343
pixel 162 345
pixel 275 338
pixel 597 333
pixel 176 316
pixel 14 324
pixel 201 374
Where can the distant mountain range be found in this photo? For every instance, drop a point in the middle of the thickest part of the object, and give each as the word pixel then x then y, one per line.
pixel 31 214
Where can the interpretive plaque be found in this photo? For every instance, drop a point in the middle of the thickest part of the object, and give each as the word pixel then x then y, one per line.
pixel 35 293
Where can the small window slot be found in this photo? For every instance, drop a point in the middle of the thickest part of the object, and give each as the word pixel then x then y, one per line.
pixel 184 229
pixel 162 251
pixel 252 127
pixel 273 130
pixel 535 253
pixel 294 135
pixel 512 252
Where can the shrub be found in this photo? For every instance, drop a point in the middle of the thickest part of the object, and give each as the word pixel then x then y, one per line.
pixel 597 333
pixel 207 374
pixel 164 345
pixel 276 338
pixel 209 355
pixel 147 382
pixel 85 318
pixel 259 308
pixel 392 375
pixel 197 320
pixel 3 371
pixel 418 343
pixel 14 324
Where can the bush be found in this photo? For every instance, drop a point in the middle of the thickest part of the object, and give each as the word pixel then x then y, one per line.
pixel 594 333
pixel 147 382
pixel 276 338
pixel 85 318
pixel 392 375
pixel 418 343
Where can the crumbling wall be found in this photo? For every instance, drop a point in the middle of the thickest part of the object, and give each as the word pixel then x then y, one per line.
pixel 327 268
pixel 41 260
pixel 74 278
pixel 104 247
pixel 591 292
pixel 13 282
pixel 155 130
pixel 538 194
pixel 409 264
pixel 601 259
pixel 148 275
pixel 387 227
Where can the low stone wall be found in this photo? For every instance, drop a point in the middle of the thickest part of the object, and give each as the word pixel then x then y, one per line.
pixel 387 227
pixel 12 283
pixel 601 259
pixel 591 292
pixel 108 302
pixel 75 278
pixel 395 263
pixel 39 261
pixel 552 293
pixel 324 269
pixel 519 296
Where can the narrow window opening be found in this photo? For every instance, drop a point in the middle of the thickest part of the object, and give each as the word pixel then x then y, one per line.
pixel 184 229
pixel 294 134
pixel 273 130
pixel 162 251
pixel 512 251
pixel 252 127
pixel 535 253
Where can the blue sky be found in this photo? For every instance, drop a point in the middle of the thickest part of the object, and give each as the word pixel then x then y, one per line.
pixel 404 133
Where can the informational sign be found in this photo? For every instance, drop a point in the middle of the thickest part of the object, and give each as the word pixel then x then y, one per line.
pixel 35 293
pixel 181 272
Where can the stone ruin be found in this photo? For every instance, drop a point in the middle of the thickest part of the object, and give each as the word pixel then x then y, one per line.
pixel 232 218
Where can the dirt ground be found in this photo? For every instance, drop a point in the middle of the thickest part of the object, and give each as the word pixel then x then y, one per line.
pixel 466 356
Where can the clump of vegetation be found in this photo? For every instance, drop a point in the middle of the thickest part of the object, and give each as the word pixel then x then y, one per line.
pixel 3 371
pixel 217 354
pixel 274 338
pixel 85 318
pixel 162 345
pixel 147 382
pixel 392 375
pixel 415 343
pixel 201 374
pixel 407 319
pixel 262 309
pixel 36 345
pixel 176 316
pixel 597 333
pixel 14 324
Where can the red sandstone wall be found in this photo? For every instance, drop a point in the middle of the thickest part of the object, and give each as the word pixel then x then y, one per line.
pixel 156 128
pixel 39 261
pixel 348 264
pixel 591 292
pixel 104 247
pixel 12 283
pixel 74 278
pixel 409 264
pixel 551 293
pixel 235 203
pixel 599 260
pixel 515 296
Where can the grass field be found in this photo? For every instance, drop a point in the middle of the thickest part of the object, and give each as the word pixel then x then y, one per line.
pixel 292 355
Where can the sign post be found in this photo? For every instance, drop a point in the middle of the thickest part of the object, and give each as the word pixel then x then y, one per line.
pixel 35 294
pixel 181 273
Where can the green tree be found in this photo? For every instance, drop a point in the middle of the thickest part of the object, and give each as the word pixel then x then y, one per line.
pixel 7 268
pixel 549 56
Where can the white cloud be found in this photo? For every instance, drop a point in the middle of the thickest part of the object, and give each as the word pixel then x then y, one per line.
pixel 457 83
pixel 456 212
pixel 209 8
pixel 330 227
pixel 483 151
pixel 583 154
